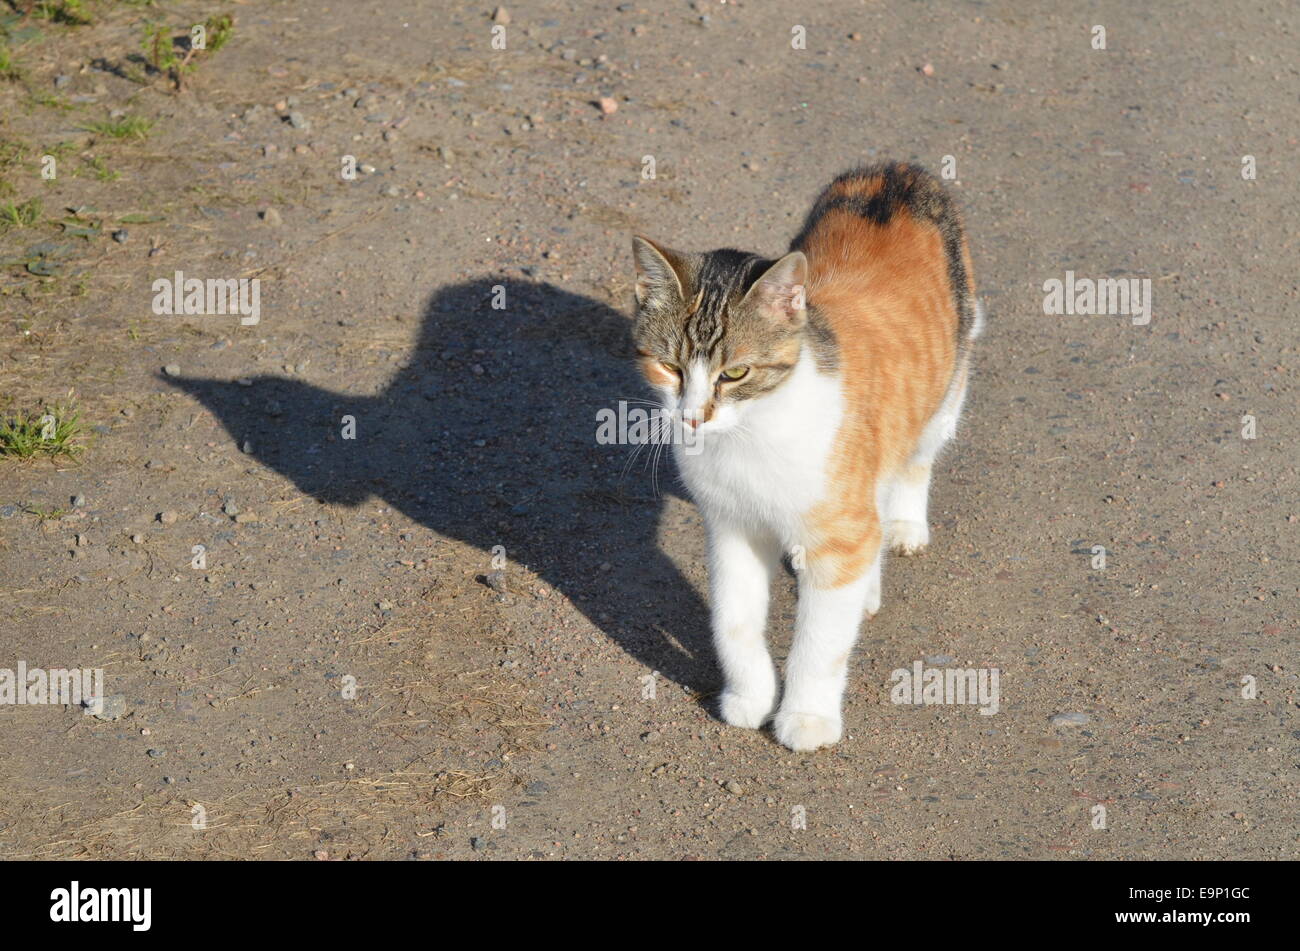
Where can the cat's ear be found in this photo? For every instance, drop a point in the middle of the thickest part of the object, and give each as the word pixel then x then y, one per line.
pixel 780 293
pixel 659 272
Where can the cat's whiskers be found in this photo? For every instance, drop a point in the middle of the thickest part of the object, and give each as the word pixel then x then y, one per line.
pixel 660 440
pixel 639 447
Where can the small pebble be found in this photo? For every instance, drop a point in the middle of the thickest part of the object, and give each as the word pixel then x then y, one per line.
pixel 1070 719
pixel 110 708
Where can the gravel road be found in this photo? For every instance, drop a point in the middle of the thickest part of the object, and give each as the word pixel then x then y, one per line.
pixel 462 627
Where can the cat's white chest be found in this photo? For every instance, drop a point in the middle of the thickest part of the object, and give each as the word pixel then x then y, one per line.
pixel 772 470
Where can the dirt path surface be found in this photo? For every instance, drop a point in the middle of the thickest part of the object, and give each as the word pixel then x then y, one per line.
pixel 526 625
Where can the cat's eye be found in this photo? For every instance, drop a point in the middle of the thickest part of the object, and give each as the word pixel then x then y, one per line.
pixel 734 373
pixel 671 367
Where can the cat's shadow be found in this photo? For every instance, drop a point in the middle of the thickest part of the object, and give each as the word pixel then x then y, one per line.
pixel 488 436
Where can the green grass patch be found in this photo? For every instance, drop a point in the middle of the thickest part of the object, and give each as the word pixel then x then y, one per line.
pixel 56 431
pixel 67 12
pixel 99 166
pixel 24 214
pixel 9 68
pixel 43 97
pixel 127 127
pixel 220 30
pixel 177 56
pixel 43 513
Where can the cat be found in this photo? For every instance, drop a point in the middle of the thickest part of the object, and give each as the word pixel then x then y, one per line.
pixel 813 393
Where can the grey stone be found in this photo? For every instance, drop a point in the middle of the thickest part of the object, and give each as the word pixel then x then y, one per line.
pixel 1070 719
pixel 109 708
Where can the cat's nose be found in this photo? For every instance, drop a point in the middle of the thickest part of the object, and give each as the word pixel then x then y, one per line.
pixel 695 417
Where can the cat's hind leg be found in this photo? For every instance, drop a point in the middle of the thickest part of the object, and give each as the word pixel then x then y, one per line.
pixel 906 504
pixel 906 524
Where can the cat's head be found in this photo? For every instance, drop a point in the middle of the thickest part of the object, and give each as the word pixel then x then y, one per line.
pixel 717 330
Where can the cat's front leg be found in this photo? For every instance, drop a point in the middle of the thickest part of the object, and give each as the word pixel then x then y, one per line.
pixel 741 565
pixel 832 601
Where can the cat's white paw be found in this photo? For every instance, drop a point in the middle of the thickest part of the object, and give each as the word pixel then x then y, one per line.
pixel 745 711
pixel 907 538
pixel 807 731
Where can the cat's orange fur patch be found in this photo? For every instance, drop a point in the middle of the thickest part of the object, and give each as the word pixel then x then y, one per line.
pixel 884 289
pixel 861 186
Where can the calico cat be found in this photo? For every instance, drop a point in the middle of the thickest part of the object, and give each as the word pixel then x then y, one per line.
pixel 817 390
